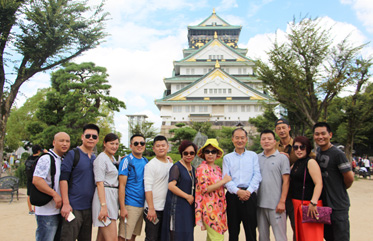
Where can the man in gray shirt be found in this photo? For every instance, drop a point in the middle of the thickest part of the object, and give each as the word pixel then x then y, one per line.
pixel 275 170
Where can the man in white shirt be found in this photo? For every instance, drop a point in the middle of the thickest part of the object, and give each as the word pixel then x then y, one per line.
pixel 156 186
pixel 48 216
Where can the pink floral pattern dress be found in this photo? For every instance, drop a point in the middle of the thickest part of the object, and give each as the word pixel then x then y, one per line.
pixel 210 207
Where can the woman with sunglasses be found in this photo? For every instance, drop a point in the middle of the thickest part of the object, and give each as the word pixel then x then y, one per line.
pixel 210 197
pixel 178 214
pixel 306 171
pixel 105 204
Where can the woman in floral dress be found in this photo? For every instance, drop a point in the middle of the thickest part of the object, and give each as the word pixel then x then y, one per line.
pixel 210 204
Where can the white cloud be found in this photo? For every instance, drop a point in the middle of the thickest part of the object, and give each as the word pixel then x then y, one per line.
pixel 226 5
pixel 256 5
pixel 262 43
pixel 364 11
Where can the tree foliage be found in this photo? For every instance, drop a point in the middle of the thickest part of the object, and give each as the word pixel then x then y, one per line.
pixel 305 73
pixel 20 118
pixel 204 128
pixel 80 94
pixel 180 134
pixel 351 116
pixel 38 35
pixel 146 128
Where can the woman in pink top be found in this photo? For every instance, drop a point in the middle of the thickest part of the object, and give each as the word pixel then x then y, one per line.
pixel 210 199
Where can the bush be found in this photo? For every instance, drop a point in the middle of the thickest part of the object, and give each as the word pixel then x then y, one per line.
pixel 21 174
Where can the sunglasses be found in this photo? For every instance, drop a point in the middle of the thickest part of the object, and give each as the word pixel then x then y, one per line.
pixel 185 153
pixel 302 147
pixel 206 152
pixel 137 143
pixel 94 137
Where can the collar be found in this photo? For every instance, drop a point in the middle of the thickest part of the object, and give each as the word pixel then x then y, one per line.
pixel 273 154
pixel 239 154
pixel 291 142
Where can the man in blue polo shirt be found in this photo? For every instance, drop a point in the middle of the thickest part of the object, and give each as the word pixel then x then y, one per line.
pixel 77 188
pixel 131 190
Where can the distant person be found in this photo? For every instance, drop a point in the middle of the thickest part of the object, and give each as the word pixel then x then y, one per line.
pixel 78 186
pixel 311 194
pixel 105 205
pixel 273 189
pixel 243 166
pixel 178 215
pixel 48 217
pixel 285 146
pixel 211 214
pixel 367 165
pixel 156 186
pixel 29 169
pixel 337 177
pixel 131 190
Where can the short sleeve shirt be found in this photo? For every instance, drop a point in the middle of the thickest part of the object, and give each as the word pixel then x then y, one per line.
pixel 82 186
pixel 272 168
pixel 333 163
pixel 105 170
pixel 42 169
pixel 133 168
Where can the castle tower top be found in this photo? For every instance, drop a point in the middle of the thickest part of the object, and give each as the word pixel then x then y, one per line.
pixel 202 33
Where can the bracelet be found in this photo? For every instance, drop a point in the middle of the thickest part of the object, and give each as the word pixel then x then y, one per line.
pixel 103 204
pixel 313 204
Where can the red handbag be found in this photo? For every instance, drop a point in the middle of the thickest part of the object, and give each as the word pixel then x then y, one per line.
pixel 324 212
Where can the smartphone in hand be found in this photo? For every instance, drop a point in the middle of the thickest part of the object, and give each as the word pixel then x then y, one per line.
pixel 107 222
pixel 146 214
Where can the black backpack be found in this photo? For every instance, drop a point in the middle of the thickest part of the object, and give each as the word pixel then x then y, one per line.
pixel 30 164
pixel 38 198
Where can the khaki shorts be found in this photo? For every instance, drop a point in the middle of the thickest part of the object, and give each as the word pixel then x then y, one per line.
pixel 134 223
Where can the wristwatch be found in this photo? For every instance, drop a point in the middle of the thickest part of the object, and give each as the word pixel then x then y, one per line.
pixel 313 204
pixel 103 204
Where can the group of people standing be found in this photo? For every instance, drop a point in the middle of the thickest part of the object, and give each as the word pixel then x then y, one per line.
pixel 172 198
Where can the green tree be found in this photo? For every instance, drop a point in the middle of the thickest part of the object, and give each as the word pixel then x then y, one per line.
pixel 265 121
pixel 36 36
pixel 305 73
pixel 204 128
pixel 351 116
pixel 146 128
pixel 224 137
pixel 21 117
pixel 180 134
pixel 80 94
pixel 359 106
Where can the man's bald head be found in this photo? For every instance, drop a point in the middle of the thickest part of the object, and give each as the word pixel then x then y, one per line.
pixel 61 143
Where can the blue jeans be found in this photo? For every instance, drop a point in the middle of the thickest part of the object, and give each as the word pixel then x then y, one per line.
pixel 48 227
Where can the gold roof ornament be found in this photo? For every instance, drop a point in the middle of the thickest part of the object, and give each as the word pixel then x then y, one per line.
pixel 217 65
pixel 213 11
pixel 215 35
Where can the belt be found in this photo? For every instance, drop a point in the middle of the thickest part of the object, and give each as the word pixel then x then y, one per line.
pixel 111 187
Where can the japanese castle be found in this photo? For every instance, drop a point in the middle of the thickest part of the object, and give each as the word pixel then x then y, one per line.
pixel 215 81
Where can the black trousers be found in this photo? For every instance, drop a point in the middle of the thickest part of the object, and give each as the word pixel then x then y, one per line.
pixel 241 211
pixel 153 231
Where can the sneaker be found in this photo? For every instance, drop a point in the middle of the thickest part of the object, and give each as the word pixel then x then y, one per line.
pixel 31 213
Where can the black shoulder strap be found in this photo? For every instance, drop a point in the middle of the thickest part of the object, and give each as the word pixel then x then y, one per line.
pixel 52 168
pixel 289 149
pixel 75 163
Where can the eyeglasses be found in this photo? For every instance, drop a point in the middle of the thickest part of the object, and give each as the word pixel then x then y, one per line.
pixel 185 153
pixel 206 152
pixel 136 143
pixel 94 137
pixel 302 147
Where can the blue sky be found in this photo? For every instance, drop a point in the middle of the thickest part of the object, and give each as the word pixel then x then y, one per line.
pixel 146 36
